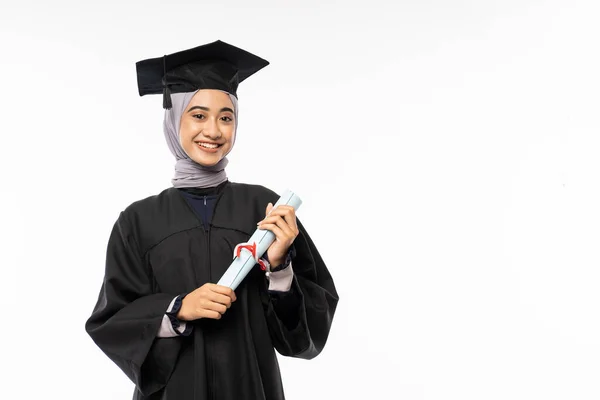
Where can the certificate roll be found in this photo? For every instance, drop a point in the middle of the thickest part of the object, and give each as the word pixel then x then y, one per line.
pixel 241 266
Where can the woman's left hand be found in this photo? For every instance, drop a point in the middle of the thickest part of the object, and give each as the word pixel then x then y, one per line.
pixel 282 222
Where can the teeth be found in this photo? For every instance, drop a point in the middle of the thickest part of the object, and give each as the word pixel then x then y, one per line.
pixel 209 145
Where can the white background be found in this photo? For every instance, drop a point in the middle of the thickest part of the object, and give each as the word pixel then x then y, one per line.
pixel 446 153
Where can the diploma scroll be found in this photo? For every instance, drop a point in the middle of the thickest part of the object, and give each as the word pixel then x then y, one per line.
pixel 259 242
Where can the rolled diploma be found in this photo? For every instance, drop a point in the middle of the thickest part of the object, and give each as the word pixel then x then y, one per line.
pixel 241 266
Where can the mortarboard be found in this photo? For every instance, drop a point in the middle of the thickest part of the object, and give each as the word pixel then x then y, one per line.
pixel 215 65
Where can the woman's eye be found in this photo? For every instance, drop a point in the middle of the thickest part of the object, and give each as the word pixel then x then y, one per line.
pixel 227 119
pixel 199 116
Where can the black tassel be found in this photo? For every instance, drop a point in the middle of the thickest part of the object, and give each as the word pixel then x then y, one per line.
pixel 167 98
pixel 166 91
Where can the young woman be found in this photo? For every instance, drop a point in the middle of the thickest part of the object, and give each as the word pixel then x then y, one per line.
pixel 160 316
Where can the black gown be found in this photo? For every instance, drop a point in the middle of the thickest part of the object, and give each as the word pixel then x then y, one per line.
pixel 159 249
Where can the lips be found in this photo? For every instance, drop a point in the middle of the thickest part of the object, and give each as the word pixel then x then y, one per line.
pixel 208 147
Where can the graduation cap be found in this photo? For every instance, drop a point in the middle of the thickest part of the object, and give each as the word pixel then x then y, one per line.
pixel 215 65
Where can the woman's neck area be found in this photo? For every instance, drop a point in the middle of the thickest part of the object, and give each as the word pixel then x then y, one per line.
pixel 207 191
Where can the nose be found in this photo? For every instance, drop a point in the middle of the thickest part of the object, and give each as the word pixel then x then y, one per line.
pixel 211 129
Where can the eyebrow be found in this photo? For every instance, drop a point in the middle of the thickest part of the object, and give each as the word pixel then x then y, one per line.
pixel 208 109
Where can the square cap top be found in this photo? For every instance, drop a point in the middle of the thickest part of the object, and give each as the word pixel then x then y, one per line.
pixel 216 65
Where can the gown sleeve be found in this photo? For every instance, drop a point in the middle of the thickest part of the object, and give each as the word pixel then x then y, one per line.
pixel 128 315
pixel 299 320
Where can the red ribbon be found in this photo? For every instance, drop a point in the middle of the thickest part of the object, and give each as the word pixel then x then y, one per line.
pixel 251 247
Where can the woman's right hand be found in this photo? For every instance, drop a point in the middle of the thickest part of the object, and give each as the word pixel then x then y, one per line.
pixel 208 301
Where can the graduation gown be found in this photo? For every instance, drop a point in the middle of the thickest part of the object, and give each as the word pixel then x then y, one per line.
pixel 159 249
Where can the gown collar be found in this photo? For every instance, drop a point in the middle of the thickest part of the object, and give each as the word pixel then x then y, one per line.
pixel 237 207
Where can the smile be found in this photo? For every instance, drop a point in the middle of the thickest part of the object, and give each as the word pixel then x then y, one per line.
pixel 209 145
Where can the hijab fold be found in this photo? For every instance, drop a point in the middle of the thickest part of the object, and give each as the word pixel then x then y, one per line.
pixel 189 173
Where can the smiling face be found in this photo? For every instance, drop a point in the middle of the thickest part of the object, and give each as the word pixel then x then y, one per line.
pixel 207 127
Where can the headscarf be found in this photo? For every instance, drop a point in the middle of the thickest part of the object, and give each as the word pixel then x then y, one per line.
pixel 188 173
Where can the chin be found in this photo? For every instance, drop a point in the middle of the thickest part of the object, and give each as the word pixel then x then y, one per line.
pixel 207 161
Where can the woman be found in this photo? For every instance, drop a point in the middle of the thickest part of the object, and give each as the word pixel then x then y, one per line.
pixel 160 316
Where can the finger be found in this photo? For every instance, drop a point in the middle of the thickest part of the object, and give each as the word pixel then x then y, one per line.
pixel 279 235
pixel 211 305
pixel 202 313
pixel 288 231
pixel 290 218
pixel 220 298
pixel 227 291
pixel 283 214
pixel 288 213
pixel 284 226
pixel 283 210
pixel 269 208
pixel 270 219
pixel 285 207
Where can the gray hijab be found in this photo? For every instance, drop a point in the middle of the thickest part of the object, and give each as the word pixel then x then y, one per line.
pixel 189 173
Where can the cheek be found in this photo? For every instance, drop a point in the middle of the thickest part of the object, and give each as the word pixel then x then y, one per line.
pixel 186 131
pixel 229 132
